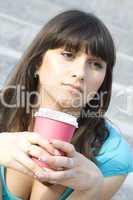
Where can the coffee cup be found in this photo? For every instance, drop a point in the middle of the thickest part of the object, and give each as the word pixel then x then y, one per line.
pixel 53 124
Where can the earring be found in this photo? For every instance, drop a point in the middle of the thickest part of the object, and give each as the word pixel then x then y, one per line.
pixel 36 75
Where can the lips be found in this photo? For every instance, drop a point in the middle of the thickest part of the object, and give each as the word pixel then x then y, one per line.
pixel 75 87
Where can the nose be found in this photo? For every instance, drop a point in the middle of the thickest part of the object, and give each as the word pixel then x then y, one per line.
pixel 78 76
pixel 79 70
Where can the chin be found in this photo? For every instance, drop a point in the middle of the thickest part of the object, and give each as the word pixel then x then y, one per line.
pixel 64 103
pixel 69 104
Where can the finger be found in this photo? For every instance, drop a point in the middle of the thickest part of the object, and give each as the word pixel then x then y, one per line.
pixel 35 138
pixel 66 147
pixel 57 176
pixel 29 164
pixel 36 151
pixel 21 168
pixel 58 161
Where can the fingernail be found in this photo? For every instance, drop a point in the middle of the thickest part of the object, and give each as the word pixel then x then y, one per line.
pixel 43 159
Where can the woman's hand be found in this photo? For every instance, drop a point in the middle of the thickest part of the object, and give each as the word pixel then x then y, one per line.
pixel 16 151
pixel 73 170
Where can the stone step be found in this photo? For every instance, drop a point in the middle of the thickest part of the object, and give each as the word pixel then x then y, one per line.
pixel 125 128
pixel 16 36
pixel 6 64
pixel 122 39
pixel 121 106
pixel 122 70
pixel 108 11
pixel 33 12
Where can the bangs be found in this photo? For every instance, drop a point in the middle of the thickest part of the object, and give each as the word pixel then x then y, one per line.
pixel 88 36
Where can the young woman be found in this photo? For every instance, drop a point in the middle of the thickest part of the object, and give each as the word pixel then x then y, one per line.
pixel 68 67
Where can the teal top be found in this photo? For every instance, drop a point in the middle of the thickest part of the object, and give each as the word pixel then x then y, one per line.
pixel 115 158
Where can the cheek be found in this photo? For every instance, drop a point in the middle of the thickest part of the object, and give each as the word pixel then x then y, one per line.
pixel 100 80
pixel 93 84
pixel 95 81
pixel 43 77
pixel 50 79
pixel 47 75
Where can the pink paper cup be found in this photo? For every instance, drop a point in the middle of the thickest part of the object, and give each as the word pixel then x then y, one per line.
pixel 51 124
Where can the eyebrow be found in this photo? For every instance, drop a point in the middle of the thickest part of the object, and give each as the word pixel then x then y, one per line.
pixel 90 58
pixel 100 61
pixel 95 59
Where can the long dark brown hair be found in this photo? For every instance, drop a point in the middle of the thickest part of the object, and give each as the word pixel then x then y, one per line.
pixel 72 29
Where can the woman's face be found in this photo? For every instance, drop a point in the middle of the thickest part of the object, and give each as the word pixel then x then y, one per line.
pixel 60 68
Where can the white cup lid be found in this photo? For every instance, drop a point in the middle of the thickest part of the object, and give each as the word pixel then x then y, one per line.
pixel 57 115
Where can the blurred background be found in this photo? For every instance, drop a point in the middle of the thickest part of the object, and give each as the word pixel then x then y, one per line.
pixel 21 20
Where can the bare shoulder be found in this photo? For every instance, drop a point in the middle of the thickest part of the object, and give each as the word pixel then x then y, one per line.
pixel 18 184
pixel 47 191
pixel 111 185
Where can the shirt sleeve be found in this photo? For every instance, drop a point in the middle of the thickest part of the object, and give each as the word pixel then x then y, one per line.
pixel 116 155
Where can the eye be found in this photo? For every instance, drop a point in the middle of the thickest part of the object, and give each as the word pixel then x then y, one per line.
pixel 68 55
pixel 95 65
pixel 98 65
